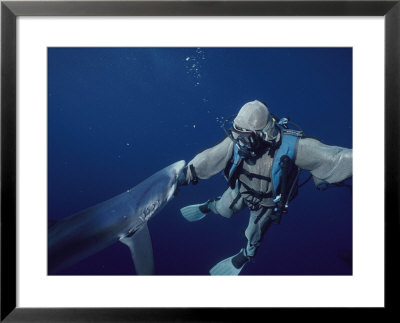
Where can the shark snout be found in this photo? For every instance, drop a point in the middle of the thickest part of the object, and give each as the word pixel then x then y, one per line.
pixel 176 169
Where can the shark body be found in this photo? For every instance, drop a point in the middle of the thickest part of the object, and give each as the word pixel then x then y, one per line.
pixel 121 218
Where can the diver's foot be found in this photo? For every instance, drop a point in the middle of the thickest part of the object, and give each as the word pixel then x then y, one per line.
pixel 240 259
pixel 195 212
pixel 231 266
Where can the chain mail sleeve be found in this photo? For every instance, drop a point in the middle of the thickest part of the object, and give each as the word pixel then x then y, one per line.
pixel 211 161
pixel 331 164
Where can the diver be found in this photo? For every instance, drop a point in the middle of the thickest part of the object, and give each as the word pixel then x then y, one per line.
pixel 261 158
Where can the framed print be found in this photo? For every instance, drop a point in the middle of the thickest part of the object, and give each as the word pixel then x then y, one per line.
pixel 115 99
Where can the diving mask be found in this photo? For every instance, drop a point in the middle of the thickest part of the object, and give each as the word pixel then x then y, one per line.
pixel 247 138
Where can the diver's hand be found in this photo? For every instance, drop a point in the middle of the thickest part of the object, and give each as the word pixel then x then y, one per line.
pixel 181 181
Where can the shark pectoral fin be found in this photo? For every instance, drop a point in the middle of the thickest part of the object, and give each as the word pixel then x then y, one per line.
pixel 141 250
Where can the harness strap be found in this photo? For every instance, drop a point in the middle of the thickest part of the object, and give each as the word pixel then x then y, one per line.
pixel 235 200
pixel 259 195
pixel 253 175
pixel 250 191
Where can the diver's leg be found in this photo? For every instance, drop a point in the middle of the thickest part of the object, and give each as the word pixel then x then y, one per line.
pixel 259 222
pixel 229 203
pixel 226 205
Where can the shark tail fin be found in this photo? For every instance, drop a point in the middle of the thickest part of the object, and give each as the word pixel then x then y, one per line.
pixel 141 250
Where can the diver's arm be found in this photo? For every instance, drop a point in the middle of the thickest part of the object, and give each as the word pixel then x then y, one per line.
pixel 209 162
pixel 330 164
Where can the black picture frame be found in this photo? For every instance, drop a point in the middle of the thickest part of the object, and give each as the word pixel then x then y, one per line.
pixel 10 10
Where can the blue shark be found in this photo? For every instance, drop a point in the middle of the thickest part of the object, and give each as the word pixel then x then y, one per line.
pixel 122 218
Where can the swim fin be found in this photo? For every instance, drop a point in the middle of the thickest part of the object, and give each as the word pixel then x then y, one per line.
pixel 231 266
pixel 195 212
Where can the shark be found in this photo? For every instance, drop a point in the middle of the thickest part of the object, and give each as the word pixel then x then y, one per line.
pixel 122 218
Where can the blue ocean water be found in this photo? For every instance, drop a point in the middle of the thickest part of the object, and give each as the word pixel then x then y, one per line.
pixel 118 115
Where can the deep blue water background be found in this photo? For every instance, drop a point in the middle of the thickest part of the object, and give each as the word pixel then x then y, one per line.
pixel 118 115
